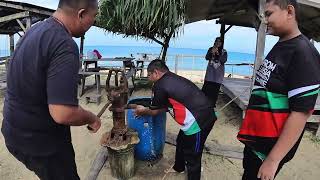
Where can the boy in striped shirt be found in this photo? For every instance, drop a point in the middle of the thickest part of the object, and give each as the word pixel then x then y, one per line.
pixel 283 97
pixel 191 109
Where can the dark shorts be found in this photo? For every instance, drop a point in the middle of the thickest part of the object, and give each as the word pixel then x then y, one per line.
pixel 251 164
pixel 58 166
pixel 189 152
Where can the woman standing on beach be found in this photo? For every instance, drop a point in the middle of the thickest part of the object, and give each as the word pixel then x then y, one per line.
pixel 216 56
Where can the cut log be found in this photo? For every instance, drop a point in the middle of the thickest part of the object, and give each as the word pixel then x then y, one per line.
pixel 213 148
pixel 97 164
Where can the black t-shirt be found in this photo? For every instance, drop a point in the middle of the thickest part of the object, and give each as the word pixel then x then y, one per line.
pixel 191 108
pixel 42 71
pixel 288 80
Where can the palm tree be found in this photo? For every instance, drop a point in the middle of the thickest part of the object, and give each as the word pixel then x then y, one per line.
pixel 155 20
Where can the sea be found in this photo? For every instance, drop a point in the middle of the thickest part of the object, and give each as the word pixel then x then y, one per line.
pixel 187 58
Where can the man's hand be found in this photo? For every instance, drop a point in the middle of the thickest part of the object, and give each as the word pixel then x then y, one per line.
pixel 215 51
pixel 95 126
pixel 140 110
pixel 268 169
pixel 289 136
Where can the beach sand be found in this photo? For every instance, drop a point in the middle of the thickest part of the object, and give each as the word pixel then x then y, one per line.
pixel 305 165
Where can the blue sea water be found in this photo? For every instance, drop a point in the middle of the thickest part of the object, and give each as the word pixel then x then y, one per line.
pixel 184 63
pixel 4 52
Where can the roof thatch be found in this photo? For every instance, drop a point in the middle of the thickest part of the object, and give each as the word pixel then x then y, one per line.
pixel 11 11
pixel 243 13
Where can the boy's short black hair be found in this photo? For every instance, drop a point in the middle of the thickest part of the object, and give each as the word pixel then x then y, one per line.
pixel 157 64
pixel 77 4
pixel 283 4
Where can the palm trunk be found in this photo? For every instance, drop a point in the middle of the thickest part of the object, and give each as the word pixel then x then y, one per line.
pixel 164 51
pixel 166 46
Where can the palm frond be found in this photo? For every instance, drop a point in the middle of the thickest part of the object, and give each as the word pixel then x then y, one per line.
pixel 142 18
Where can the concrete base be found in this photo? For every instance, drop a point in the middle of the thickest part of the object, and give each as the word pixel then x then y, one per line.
pixel 93 98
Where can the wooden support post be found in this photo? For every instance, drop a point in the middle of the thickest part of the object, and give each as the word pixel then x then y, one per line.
pixel 176 64
pixel 81 45
pixel 11 36
pixel 81 51
pixel 28 23
pixel 222 32
pixel 83 84
pixel 230 26
pixel 98 84
pixel 21 25
pixel 261 39
pixel 116 83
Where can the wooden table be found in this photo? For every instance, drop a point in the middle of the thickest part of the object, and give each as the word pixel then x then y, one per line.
pixel 127 67
pixel 140 66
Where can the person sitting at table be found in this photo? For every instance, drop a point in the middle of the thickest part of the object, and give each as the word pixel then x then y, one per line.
pixel 95 54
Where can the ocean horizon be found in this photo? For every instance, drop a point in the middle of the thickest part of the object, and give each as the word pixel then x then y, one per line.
pixel 194 60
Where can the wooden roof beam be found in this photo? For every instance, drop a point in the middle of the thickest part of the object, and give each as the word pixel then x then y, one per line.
pixel 21 25
pixel 7 31
pixel 312 3
pixel 43 11
pixel 224 14
pixel 14 16
pixel 310 19
pixel 234 9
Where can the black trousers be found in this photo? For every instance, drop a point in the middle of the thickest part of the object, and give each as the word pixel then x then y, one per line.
pixel 211 90
pixel 251 165
pixel 58 166
pixel 189 153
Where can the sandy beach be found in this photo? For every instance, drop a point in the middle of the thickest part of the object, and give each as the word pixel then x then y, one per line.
pixel 305 165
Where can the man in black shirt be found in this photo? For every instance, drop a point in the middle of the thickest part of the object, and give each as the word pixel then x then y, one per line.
pixel 41 99
pixel 191 109
pixel 283 97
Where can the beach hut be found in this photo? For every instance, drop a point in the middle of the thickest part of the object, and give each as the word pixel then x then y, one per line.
pixel 249 13
pixel 17 17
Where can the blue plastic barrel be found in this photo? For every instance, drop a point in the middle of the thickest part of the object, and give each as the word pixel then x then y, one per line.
pixel 151 130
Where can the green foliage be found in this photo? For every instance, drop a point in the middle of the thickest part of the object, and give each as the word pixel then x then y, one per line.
pixel 148 19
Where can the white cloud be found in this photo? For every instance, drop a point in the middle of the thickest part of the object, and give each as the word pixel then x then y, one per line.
pixel 200 35
pixel 53 4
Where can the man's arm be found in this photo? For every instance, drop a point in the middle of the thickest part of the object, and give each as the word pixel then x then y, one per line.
pixel 62 78
pixel 290 134
pixel 74 116
pixel 141 110
pixel 209 54
pixel 223 58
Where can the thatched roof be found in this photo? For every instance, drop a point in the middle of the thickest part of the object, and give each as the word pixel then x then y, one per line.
pixel 13 13
pixel 243 13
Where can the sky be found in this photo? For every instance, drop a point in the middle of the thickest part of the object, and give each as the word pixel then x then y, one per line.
pixel 198 35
